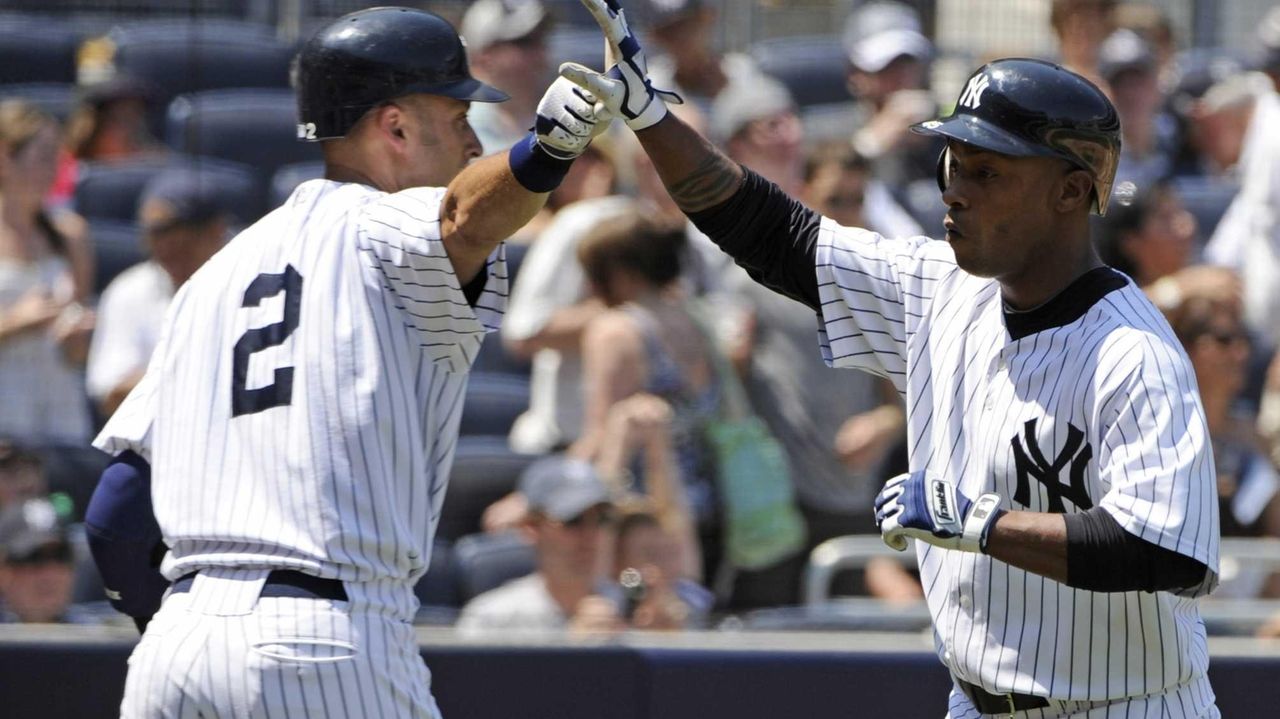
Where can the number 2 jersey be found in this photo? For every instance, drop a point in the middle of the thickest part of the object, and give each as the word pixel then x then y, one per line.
pixel 302 408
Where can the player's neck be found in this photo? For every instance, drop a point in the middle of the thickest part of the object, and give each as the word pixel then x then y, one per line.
pixel 1049 275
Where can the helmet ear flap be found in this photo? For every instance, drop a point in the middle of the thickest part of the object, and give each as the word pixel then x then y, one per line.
pixel 943 158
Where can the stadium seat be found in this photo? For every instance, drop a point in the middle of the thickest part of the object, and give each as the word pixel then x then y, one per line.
pixel 811 66
pixel 493 402
pixel 56 98
pixel 111 190
pixel 484 471
pixel 287 179
pixel 254 126
pixel 487 561
pixel 580 44
pixel 117 246
pixel 439 586
pixel 37 49
pixel 179 56
pixel 1207 198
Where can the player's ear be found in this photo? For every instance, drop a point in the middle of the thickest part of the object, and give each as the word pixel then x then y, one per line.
pixel 1074 191
pixel 391 120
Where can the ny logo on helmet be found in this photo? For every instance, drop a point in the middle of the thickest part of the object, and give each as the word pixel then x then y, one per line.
pixel 972 95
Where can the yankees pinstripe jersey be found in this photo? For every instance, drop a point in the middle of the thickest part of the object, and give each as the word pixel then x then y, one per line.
pixel 302 408
pixel 1101 410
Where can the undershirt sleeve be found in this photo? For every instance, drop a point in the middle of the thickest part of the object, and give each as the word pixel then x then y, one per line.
pixel 1103 557
pixel 771 235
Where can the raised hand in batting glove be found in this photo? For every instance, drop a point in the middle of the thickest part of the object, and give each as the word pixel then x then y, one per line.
pixel 625 89
pixel 924 507
pixel 567 120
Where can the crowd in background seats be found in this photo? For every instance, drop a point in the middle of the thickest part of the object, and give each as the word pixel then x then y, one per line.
pixel 584 495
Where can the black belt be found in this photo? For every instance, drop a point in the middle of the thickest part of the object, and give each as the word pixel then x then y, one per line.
pixel 989 703
pixel 285 583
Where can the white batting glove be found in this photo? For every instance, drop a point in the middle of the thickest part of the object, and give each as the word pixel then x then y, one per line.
pixel 924 507
pixel 625 89
pixel 567 120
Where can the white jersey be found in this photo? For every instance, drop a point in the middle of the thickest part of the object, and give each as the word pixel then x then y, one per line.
pixel 1099 411
pixel 302 408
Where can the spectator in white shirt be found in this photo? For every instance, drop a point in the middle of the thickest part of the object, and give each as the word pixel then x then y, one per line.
pixel 182 225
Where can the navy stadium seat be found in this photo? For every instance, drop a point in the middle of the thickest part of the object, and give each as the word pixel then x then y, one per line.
pixel 484 471
pixel 493 402
pixel 111 190
pixel 287 179
pixel 1207 198
pixel 580 44
pixel 56 98
pixel 176 57
pixel 255 126
pixel 37 49
pixel 487 561
pixel 117 246
pixel 439 586
pixel 812 67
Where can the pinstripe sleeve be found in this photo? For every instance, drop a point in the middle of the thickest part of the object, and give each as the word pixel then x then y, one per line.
pixel 1156 460
pixel 874 292
pixel 400 236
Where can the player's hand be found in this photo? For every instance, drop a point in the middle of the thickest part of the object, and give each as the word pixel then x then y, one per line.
pixel 624 89
pixel 568 120
pixel 928 508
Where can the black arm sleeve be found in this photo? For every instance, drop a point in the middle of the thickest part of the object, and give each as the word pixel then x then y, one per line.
pixel 770 234
pixel 473 289
pixel 1103 557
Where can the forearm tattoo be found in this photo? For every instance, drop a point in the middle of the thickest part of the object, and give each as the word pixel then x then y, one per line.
pixel 713 181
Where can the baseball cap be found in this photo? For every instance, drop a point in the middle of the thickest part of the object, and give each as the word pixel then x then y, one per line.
pixel 489 22
pixel 746 101
pixel 1122 51
pixel 189 197
pixel 562 487
pixel 33 530
pixel 662 13
pixel 878 33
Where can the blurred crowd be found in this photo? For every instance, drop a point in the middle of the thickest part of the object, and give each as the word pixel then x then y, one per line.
pixel 587 493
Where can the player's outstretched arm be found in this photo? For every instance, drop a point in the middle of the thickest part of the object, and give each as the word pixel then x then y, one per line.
pixel 696 174
pixel 495 196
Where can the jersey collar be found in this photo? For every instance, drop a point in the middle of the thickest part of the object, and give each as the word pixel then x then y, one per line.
pixel 1067 306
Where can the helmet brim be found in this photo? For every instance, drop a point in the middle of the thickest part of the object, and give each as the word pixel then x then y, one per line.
pixel 978 132
pixel 469 89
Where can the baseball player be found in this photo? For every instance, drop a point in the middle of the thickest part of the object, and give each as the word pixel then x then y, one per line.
pixel 298 419
pixel 1062 492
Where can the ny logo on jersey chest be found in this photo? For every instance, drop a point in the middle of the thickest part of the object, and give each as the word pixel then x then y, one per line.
pixel 1030 461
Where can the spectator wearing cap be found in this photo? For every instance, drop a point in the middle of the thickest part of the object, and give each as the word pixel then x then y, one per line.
pixel 21 475
pixel 758 126
pixel 183 224
pixel 1128 66
pixel 1238 120
pixel 686 59
pixel 569 517
pixel 37 566
pixel 1081 26
pixel 507 48
pixel 1152 23
pixel 888 59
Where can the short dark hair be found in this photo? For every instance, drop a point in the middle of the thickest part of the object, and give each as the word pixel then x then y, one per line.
pixel 642 244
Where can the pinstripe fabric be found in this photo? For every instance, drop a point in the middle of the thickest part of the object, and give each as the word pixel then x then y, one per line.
pixel 301 410
pixel 1102 411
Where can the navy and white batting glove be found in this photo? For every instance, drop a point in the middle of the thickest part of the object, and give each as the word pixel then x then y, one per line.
pixel 567 120
pixel 924 507
pixel 625 89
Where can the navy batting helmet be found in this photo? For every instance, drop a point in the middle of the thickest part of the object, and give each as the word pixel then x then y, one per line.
pixel 368 57
pixel 1032 108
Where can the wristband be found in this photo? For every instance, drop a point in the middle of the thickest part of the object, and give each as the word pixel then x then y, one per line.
pixel 536 169
pixel 977 526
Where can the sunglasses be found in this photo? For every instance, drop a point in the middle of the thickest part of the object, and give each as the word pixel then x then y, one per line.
pixel 55 553
pixel 588 519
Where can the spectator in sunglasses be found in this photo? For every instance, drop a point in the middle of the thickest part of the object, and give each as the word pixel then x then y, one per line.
pixel 569 521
